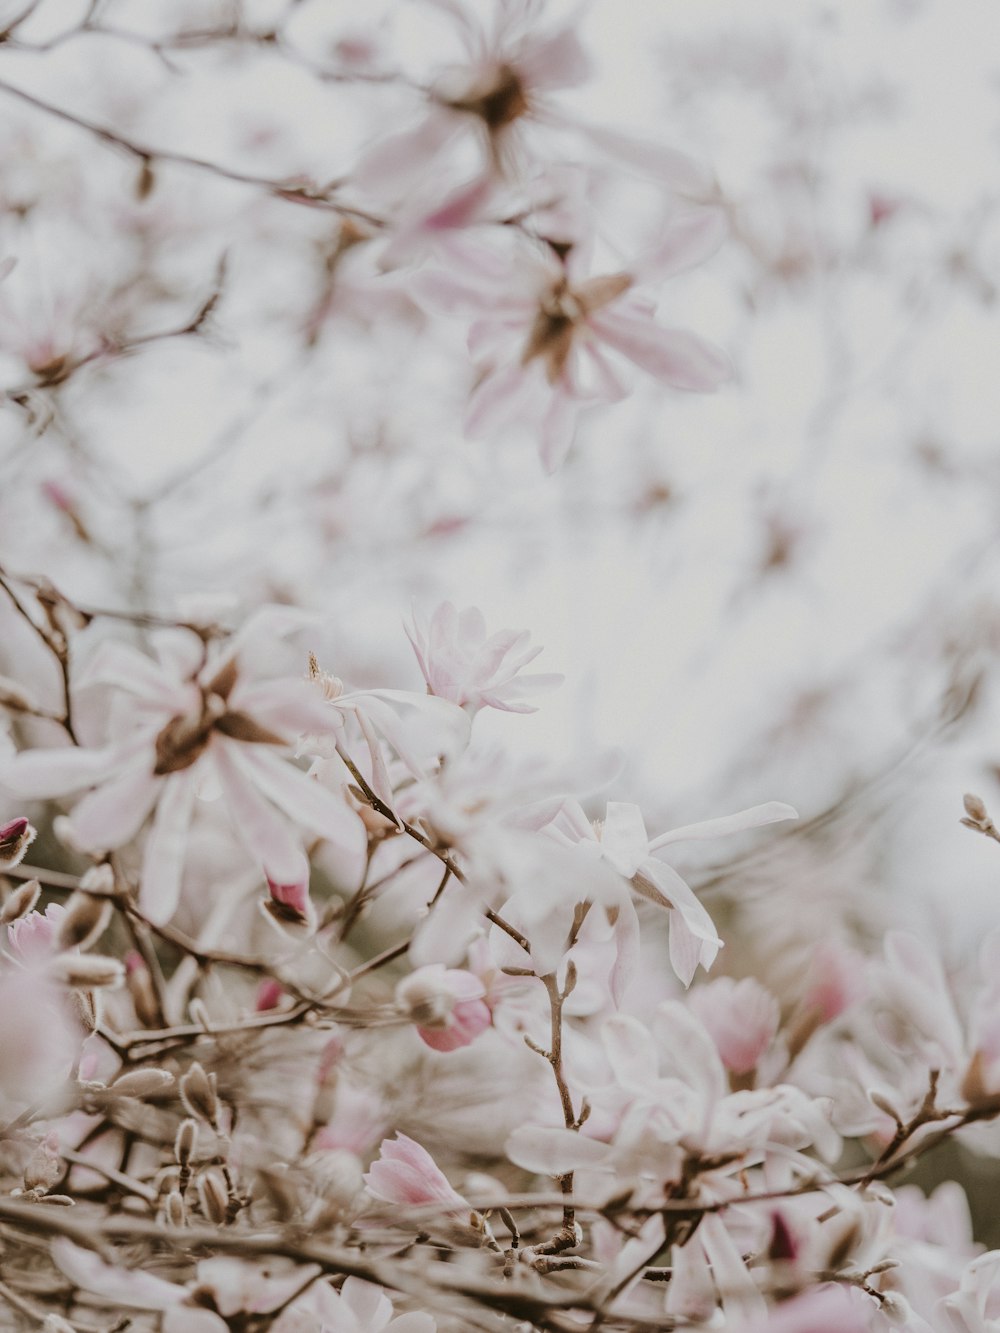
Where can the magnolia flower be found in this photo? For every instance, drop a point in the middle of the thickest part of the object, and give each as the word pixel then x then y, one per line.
pixel 621 840
pixel 503 82
pixel 185 729
pixel 740 1016
pixel 459 662
pixel 405 1173
pixel 35 937
pixel 359 1307
pixel 447 1005
pixel 546 332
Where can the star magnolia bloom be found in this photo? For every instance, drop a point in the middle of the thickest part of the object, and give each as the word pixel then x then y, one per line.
pixel 359 1307
pixel 459 662
pixel 741 1017
pixel 547 334
pixel 190 729
pixel 447 1005
pixel 404 1172
pixel 622 841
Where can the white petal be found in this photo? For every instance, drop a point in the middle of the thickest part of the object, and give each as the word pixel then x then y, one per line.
pixel 163 859
pixel 302 798
pixel 624 841
pixel 118 1286
pixel 553 1151
pixel 37 775
pixel 114 813
pixel 772 812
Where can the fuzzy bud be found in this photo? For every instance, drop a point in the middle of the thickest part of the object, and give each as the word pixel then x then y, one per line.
pixel 213 1196
pixel 140 988
pixel 199 1096
pixel 87 971
pixel 99 881
pixel 87 1008
pixel 44 1166
pixel 975 808
pixel 173 1209
pixel 884 1105
pixel 85 921
pixel 16 836
pixel 20 902
pixel 142 1083
pixel 54 1323
pixel 186 1141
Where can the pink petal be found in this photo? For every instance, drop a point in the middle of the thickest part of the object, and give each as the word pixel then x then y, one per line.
pixel 302 798
pixel 680 359
pixel 113 814
pixel 689 240
pixel 267 835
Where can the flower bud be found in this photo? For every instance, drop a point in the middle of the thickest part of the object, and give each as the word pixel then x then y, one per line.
pixel 87 971
pixel 85 921
pixel 16 836
pixel 213 1195
pixel 87 1008
pixel 186 1141
pixel 44 1166
pixel 140 988
pixel 975 808
pixel 20 902
pixel 99 880
pixel 199 1096
pixel 173 1210
pixel 142 1083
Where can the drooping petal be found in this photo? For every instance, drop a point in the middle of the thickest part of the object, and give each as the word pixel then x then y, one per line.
pixel 551 1151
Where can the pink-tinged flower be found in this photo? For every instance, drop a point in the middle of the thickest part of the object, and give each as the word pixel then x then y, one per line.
pixel 461 663
pixel 359 1307
pixel 36 936
pixel 502 83
pixel 185 729
pixel 548 337
pixel 447 1005
pixel 290 904
pixel 836 980
pixel 16 836
pixel 405 1173
pixel 741 1017
pixel 357 1119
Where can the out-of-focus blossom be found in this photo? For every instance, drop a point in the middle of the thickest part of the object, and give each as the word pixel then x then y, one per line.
pixel 39 1036
pixel 36 936
pixel 359 1307
pixel 404 1172
pixel 184 729
pixel 546 333
pixel 740 1016
pixel 447 1005
pixel 462 663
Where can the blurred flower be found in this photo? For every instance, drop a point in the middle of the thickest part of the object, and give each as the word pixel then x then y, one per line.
pixel 740 1016
pixel 459 662
pixel 447 1005
pixel 404 1172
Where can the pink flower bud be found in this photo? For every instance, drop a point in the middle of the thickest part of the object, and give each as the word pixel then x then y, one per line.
pixel 446 1004
pixel 406 1173
pixel 836 981
pixel 35 936
pixel 290 904
pixel 741 1018
pixel 16 836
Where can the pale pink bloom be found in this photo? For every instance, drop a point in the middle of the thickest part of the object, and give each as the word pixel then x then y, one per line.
pixel 35 936
pixel 505 78
pixel 975 1307
pixel 836 980
pixel 622 841
pixel 16 836
pixel 359 1307
pixel 447 1005
pixel 830 1308
pixel 549 337
pixel 462 663
pixel 405 1173
pixel 185 729
pixel 741 1017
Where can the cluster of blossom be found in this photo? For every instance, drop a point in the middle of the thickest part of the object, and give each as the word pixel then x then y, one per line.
pixel 322 1012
